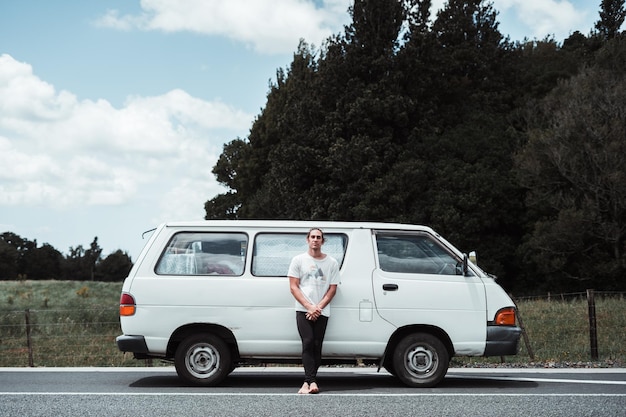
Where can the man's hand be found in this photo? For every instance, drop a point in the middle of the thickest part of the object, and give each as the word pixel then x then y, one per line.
pixel 313 313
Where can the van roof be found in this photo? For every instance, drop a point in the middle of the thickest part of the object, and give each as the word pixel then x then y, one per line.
pixel 324 224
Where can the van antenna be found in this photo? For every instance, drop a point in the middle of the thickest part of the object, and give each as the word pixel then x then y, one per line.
pixel 147 231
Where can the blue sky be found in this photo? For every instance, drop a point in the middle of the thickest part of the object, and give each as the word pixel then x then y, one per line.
pixel 113 112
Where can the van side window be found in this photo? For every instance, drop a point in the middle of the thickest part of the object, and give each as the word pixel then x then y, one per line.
pixel 273 251
pixel 195 253
pixel 415 254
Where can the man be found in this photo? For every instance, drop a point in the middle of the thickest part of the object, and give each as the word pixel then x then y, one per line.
pixel 313 279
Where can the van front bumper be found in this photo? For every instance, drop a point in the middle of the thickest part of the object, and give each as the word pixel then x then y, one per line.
pixel 502 340
pixel 134 344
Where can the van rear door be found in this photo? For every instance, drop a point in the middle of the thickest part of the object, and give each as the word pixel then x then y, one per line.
pixel 418 280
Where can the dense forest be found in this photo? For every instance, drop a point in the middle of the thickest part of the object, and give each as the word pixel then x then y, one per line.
pixel 22 259
pixel 514 149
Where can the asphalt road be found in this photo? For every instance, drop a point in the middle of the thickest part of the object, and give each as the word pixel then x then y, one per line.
pixel 344 392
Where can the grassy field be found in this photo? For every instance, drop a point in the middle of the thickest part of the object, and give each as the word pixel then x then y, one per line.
pixel 558 333
pixel 75 323
pixel 72 323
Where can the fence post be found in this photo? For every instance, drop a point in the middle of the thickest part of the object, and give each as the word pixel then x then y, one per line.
pixel 593 329
pixel 29 342
pixel 529 348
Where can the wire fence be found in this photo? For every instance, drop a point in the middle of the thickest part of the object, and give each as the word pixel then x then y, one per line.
pixel 42 337
pixel 570 328
pixel 558 328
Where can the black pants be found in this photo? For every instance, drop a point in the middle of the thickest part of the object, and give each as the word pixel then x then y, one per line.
pixel 312 335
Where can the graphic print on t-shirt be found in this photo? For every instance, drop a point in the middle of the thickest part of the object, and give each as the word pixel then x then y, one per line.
pixel 316 273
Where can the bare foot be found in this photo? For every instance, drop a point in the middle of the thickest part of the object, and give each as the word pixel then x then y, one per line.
pixel 305 389
pixel 313 388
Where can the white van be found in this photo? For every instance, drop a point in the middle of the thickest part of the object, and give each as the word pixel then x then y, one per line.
pixel 212 295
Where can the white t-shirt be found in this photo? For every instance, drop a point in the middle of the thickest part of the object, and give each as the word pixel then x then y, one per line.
pixel 316 276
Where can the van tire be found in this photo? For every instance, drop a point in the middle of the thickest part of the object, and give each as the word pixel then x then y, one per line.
pixel 420 360
pixel 203 359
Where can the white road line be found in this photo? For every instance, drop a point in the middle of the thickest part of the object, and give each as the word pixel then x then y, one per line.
pixel 261 394
pixel 355 370
pixel 517 379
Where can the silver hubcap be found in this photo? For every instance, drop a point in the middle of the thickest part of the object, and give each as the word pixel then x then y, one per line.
pixel 421 361
pixel 202 360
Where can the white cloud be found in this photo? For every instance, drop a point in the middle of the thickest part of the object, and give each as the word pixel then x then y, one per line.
pixel 274 26
pixel 59 151
pixel 112 19
pixel 541 18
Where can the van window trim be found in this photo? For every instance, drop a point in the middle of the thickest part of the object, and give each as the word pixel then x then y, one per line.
pixel 295 232
pixel 198 232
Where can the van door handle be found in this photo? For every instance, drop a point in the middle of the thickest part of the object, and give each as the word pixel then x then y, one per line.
pixel 390 287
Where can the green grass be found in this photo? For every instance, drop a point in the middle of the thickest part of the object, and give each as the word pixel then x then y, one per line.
pixel 75 323
pixel 72 323
pixel 559 330
pixel 558 333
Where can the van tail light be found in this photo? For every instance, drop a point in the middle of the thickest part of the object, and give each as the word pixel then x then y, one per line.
pixel 127 305
pixel 505 317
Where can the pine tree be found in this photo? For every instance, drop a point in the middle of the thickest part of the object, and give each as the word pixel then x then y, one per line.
pixel 612 16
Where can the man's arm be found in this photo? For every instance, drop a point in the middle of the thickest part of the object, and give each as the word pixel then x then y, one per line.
pixel 313 310
pixel 328 297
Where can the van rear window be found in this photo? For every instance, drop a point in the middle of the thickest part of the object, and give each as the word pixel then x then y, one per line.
pixel 273 251
pixel 195 253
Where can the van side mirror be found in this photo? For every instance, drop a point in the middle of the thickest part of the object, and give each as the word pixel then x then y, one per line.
pixel 472 257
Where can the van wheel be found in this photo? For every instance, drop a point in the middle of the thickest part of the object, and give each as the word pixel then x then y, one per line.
pixel 420 360
pixel 203 359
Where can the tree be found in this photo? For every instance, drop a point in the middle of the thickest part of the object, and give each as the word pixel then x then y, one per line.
pixel 265 171
pixel 366 122
pixel 575 172
pixel 73 268
pixel 401 118
pixel 42 263
pixel 612 16
pixel 457 161
pixel 12 252
pixel 115 267
pixel 8 259
pixel 80 264
pixel 92 257
pixel 327 129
